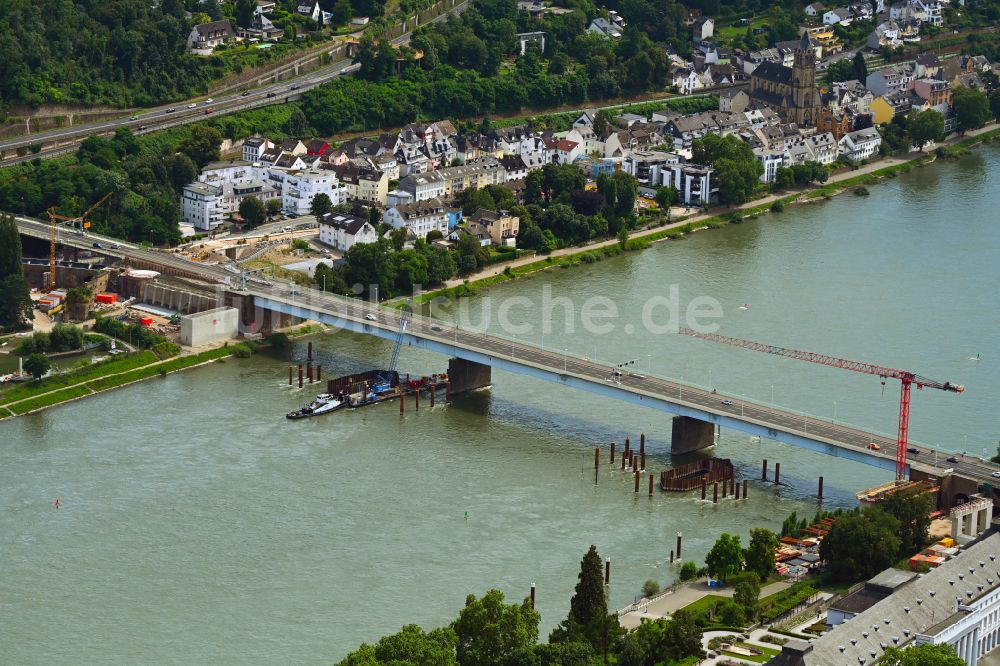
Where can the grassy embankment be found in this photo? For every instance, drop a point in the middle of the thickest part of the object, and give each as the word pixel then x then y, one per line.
pixel 26 397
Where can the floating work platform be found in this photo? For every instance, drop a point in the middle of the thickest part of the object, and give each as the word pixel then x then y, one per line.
pixel 375 386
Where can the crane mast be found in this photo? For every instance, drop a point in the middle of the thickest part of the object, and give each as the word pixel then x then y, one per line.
pixel 907 380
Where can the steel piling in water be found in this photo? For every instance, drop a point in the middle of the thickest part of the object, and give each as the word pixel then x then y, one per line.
pixel 597 456
pixel 607 570
pixel 680 537
pixel 725 489
pixel 819 493
pixel 777 473
pixel 745 486
pixel 636 480
pixel 763 473
pixel 402 402
pixel 704 486
pixel 736 490
pixel 416 400
pixel 309 371
pixel 291 374
pixel 300 375
pixel 650 485
pixel 715 492
pixel 532 595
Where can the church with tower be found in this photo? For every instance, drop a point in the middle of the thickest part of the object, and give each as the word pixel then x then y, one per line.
pixel 790 91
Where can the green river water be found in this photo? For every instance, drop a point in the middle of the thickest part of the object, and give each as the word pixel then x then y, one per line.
pixel 198 525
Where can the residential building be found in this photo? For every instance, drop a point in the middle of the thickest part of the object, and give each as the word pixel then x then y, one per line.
pixel 815 9
pixel 956 604
pixel 771 159
pixel 932 91
pixel 885 107
pixel 206 36
pixel 791 91
pixel 420 217
pixel 733 100
pixel 860 145
pixel 299 188
pixel 886 34
pixel 501 227
pixel 449 182
pixel 254 146
pixel 343 232
pixel 889 80
pixel 360 180
pixel 261 29
pixel 201 206
pixel 603 26
pixel 703 28
pixel 841 15
pixel 824 35
pixel 927 66
pixel 694 182
pixel 642 163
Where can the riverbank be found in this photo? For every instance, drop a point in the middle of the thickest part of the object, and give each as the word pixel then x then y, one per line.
pixel 34 396
pixel 867 174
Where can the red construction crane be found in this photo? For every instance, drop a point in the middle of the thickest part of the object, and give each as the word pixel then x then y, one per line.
pixel 906 379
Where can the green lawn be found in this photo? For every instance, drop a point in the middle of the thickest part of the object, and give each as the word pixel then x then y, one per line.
pixel 63 395
pixel 702 606
pixel 731 31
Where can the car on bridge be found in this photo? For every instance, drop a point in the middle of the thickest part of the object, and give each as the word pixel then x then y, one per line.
pixel 727 403
pixel 370 317
pixel 996 474
pixel 951 459
pixel 913 450
pixel 874 447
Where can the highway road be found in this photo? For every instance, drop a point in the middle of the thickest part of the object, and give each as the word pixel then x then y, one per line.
pixel 183 113
pixel 518 352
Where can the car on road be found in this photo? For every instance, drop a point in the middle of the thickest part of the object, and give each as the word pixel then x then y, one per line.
pixel 370 317
pixel 285 229
pixel 271 94
pixel 912 450
pixel 245 93
pixel 209 100
pixel 114 246
pixel 295 292
pixel 295 87
pixel 951 459
pixel 134 118
pixel 170 110
pixel 209 110
pixel 727 403
pixel 98 246
pixel 436 329
pixel 143 128
pixel 874 447
pixel 996 474
pixel 192 105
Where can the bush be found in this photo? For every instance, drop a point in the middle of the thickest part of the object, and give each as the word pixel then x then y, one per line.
pixel 242 350
pixel 689 571
pixel 773 640
pixel 650 588
pixel 778 206
pixel 278 341
pixel 861 191
pixel 300 244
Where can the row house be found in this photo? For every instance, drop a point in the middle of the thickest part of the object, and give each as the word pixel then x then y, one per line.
pixel 342 232
pixel 686 129
pixel 419 217
pixel 889 80
pixel 822 148
pixel 254 147
pixel 860 145
pixel 848 95
pixel 449 182
pixel 886 107
pixel 361 180
pixel 932 91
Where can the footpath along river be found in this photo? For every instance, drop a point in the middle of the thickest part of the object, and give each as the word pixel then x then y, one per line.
pixel 198 525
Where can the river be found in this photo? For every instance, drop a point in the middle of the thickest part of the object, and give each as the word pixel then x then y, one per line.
pixel 197 524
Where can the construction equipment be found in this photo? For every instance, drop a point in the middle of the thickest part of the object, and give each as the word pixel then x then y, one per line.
pixel 385 377
pixel 54 221
pixel 907 380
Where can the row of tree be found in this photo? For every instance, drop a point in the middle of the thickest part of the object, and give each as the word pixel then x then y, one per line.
pixel 15 297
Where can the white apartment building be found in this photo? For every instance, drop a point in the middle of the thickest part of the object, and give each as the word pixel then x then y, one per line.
pixel 860 145
pixel 254 146
pixel 201 206
pixel 299 188
pixel 693 181
pixel 345 231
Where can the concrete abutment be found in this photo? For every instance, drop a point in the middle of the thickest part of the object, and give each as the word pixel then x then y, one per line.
pixel 689 434
pixel 468 375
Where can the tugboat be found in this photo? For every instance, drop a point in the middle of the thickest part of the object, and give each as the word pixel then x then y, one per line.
pixel 324 402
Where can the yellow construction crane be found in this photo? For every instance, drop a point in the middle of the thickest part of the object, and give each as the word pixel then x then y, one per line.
pixel 54 219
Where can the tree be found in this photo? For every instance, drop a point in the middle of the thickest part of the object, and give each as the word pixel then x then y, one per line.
pixel 913 511
pixel 588 618
pixel 252 211
pixel 202 145
pixel 181 169
pixel 759 555
pixel 995 104
pixel 65 337
pixel 972 108
pixel 342 12
pixel 15 298
pixel 842 70
pixel 667 197
pixel 861 544
pixel 37 365
pixel 320 205
pixel 725 558
pixel 689 571
pixel 737 171
pixel 924 127
pixel 412 645
pixel 746 593
pixel 490 632
pixel 860 67
pixel 928 654
pixel 273 207
pixel 730 613
pixel 244 12
pixel 661 640
pixel 650 588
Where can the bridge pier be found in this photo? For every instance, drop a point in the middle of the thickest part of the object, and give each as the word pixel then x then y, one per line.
pixel 468 375
pixel 689 434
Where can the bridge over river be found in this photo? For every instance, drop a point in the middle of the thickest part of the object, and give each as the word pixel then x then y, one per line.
pixel 697 411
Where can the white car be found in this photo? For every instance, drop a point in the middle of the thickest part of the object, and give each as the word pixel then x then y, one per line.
pixel 370 317
pixel 209 100
pixel 996 474
pixel 192 105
